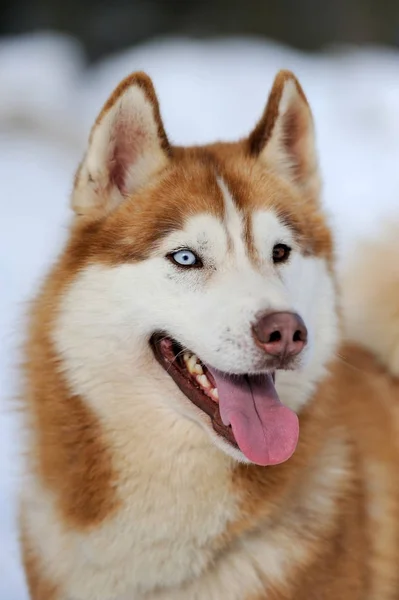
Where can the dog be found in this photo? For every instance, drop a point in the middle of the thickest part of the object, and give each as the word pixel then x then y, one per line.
pixel 205 417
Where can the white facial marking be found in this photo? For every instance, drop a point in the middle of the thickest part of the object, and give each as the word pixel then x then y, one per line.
pixel 109 313
pixel 268 230
pixel 234 225
pixel 128 556
pixel 313 296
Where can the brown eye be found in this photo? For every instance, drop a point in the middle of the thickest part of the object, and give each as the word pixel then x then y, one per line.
pixel 280 253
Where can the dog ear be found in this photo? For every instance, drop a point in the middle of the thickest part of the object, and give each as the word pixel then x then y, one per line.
pixel 127 147
pixel 284 137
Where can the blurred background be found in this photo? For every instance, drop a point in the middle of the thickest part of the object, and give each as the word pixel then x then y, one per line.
pixel 212 62
pixel 105 27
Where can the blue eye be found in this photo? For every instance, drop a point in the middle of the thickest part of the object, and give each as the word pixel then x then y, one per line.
pixel 185 258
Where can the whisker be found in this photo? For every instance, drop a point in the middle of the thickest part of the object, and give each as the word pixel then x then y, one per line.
pixel 182 351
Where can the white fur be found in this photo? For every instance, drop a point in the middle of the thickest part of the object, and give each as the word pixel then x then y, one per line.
pixel 140 549
pixel 313 296
pixel 209 310
pixel 234 226
pixel 163 535
pixel 175 488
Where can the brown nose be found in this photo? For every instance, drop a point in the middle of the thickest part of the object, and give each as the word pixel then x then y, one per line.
pixel 281 334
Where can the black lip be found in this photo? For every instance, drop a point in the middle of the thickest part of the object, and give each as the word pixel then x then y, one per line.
pixel 174 367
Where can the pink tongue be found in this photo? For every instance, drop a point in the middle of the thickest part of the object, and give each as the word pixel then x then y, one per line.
pixel 265 430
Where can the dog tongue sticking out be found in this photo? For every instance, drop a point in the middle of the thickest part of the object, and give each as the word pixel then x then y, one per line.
pixel 265 430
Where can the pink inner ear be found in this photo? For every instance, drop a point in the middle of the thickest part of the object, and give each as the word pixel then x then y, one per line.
pixel 295 126
pixel 129 142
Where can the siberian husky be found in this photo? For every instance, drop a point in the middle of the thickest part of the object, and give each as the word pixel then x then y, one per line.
pixel 204 420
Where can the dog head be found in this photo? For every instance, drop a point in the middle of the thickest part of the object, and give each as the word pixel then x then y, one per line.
pixel 201 277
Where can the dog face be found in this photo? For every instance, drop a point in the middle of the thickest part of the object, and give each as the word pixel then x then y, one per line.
pixel 201 278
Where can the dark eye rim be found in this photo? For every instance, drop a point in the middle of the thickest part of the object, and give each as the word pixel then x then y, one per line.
pixel 284 257
pixel 197 265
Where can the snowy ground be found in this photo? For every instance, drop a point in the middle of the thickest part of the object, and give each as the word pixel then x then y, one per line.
pixel 207 90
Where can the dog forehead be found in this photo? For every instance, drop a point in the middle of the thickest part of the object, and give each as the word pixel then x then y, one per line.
pixel 241 234
pixel 198 203
pixel 230 190
pixel 224 201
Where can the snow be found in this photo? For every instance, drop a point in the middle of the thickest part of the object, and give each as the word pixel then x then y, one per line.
pixel 208 90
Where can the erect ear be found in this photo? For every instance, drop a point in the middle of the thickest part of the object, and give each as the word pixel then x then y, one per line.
pixel 127 147
pixel 284 137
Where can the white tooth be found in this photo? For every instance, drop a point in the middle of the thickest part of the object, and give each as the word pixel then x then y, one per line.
pixel 191 363
pixel 203 381
pixel 198 369
pixel 215 394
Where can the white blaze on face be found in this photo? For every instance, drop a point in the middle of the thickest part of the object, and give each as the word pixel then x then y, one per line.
pixel 234 225
pixel 221 302
pixel 310 288
pixel 212 310
pixel 109 313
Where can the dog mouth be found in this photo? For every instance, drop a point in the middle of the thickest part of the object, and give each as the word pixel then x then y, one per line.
pixel 244 410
